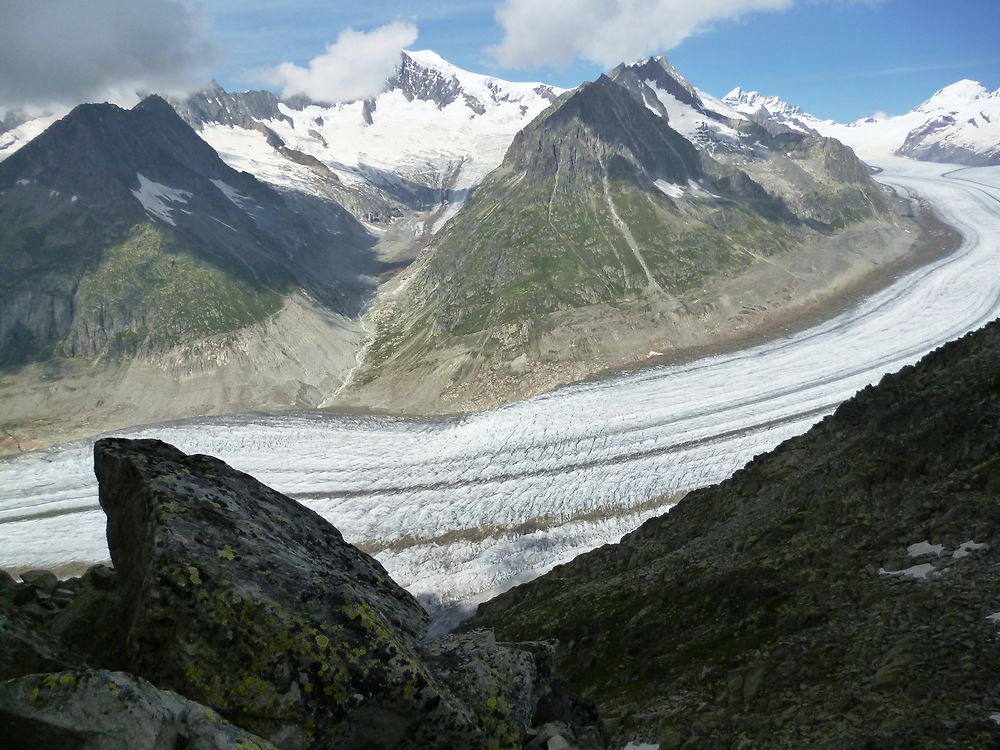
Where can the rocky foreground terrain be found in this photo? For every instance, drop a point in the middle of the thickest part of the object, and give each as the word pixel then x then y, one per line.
pixel 839 592
pixel 274 630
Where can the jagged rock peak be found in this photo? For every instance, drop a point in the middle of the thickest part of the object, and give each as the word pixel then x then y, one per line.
pixel 214 104
pixel 660 74
pixel 424 75
pixel 754 100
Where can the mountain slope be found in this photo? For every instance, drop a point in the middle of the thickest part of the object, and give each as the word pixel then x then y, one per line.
pixel 606 234
pixel 958 124
pixel 840 591
pixel 124 236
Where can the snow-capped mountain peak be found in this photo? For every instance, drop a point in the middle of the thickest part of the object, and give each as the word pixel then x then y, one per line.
pixel 658 73
pixel 434 131
pixel 960 123
pixel 750 102
pixel 427 76
pixel 956 96
pixel 770 111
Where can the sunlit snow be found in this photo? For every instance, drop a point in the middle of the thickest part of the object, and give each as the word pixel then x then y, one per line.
pixel 924 548
pixel 155 198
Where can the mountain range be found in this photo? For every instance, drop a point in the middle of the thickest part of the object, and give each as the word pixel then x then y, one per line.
pixel 632 216
pixel 959 124
pixel 498 239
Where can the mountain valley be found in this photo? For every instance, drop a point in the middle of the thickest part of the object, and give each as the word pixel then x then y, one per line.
pixel 493 240
pixel 507 416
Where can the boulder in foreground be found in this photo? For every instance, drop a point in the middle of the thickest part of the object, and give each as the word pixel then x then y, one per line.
pixel 241 599
pixel 100 710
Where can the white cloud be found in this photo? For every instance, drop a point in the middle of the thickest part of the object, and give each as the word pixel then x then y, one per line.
pixel 353 67
pixel 557 32
pixel 63 53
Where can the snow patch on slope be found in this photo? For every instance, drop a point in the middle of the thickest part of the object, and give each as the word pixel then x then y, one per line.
pixel 235 197
pixel 670 189
pixel 155 198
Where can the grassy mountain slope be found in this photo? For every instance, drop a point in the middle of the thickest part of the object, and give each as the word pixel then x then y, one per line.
pixel 125 239
pixel 604 234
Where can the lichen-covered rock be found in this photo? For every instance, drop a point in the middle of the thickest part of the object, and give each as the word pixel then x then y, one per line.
pixel 239 598
pixel 100 710
pixel 498 685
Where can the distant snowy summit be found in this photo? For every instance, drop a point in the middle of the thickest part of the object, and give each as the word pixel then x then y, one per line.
pixel 431 119
pixel 771 112
pixel 963 126
pixel 960 124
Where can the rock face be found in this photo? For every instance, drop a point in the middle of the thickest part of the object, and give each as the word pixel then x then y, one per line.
pixel 123 232
pixel 99 710
pixel 47 624
pixel 840 592
pixel 237 597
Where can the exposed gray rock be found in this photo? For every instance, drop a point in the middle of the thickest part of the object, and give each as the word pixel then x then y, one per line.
pixel 77 625
pixel 216 105
pixel 100 710
pixel 44 580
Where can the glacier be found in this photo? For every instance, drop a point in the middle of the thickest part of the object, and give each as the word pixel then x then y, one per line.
pixel 458 509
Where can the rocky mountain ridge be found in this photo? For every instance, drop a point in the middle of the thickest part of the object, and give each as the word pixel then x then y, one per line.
pixel 610 228
pixel 840 591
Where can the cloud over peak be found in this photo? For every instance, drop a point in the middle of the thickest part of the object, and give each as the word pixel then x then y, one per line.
pixel 353 67
pixel 557 32
pixel 55 52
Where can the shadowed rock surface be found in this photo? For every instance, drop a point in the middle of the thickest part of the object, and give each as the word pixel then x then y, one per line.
pixel 839 592
pixel 49 625
pixel 102 710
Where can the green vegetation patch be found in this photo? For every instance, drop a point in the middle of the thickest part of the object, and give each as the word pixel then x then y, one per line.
pixel 147 292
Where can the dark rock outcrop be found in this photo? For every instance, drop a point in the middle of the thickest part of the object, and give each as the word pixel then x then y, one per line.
pixel 48 625
pixel 840 592
pixel 102 710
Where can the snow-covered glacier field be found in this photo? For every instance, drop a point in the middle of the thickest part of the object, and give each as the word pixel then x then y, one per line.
pixel 457 509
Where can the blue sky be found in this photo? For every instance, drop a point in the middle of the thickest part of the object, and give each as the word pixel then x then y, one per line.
pixel 841 59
